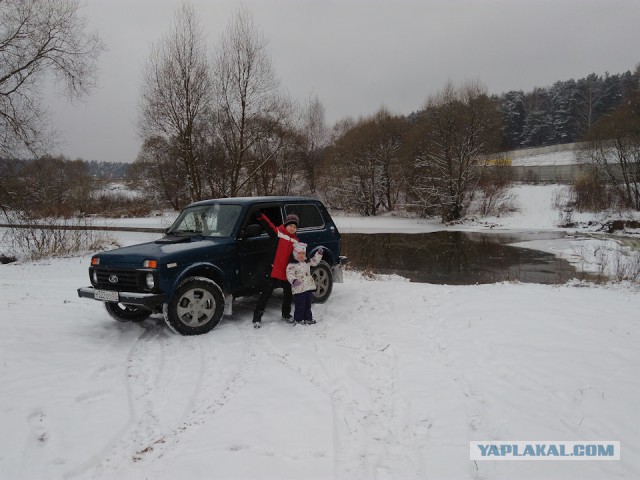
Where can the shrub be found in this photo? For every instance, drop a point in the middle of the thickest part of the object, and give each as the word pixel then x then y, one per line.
pixel 494 186
pixel 530 177
pixel 40 238
pixel 118 205
pixel 591 194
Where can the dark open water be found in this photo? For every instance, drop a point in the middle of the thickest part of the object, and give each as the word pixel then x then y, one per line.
pixel 457 258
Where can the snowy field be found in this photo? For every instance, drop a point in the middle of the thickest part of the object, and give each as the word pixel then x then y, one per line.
pixel 393 382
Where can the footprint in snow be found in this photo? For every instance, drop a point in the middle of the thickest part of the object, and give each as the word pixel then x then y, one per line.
pixel 38 423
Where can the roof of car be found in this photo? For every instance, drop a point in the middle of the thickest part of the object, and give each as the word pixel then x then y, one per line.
pixel 249 200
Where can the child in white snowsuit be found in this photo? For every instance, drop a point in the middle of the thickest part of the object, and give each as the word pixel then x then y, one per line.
pixel 302 283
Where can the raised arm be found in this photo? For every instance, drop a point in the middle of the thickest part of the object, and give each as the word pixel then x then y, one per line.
pixel 262 218
pixel 315 260
pixel 276 231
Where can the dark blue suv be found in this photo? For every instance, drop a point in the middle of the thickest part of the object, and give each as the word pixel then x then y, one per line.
pixel 215 251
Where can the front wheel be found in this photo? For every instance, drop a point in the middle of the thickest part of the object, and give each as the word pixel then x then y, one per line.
pixel 126 313
pixel 196 307
pixel 324 282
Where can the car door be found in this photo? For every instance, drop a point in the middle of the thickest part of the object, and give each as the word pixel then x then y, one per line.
pixel 255 253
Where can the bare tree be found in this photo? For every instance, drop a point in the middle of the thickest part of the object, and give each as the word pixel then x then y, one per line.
pixel 39 39
pixel 613 152
pixel 278 152
pixel 154 173
pixel 331 181
pixel 176 95
pixel 459 128
pixel 364 167
pixel 316 136
pixel 217 164
pixel 249 105
pixel 45 187
pixel 391 131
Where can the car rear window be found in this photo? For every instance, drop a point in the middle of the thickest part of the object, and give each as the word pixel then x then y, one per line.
pixel 309 214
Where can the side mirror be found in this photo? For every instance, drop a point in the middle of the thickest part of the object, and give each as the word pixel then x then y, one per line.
pixel 252 230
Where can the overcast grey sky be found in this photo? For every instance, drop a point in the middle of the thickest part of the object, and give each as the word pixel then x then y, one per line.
pixel 357 55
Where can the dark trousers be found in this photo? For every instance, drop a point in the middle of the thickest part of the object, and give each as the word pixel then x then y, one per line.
pixel 303 306
pixel 269 285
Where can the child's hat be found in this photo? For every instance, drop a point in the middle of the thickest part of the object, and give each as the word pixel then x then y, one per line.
pixel 299 247
pixel 292 218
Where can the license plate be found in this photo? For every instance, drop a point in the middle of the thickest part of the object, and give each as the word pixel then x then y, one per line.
pixel 105 295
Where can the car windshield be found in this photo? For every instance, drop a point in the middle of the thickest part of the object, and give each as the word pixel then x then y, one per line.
pixel 208 220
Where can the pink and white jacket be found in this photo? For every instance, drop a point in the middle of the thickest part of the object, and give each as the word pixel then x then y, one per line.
pixel 302 271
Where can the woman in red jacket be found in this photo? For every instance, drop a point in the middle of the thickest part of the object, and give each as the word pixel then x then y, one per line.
pixel 286 234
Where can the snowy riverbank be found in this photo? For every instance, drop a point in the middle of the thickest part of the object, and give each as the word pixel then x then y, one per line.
pixel 394 381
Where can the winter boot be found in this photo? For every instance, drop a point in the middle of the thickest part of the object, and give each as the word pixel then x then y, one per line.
pixel 287 318
pixel 309 322
pixel 257 318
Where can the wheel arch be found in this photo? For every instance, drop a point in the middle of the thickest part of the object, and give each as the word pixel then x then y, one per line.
pixel 323 292
pixel 202 269
pixel 327 255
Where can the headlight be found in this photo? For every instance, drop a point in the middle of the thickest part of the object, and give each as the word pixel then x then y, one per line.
pixel 151 281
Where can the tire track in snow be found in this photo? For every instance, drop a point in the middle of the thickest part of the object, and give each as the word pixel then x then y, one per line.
pixel 307 363
pixel 450 375
pixel 152 367
pixel 373 434
pixel 141 372
pixel 223 377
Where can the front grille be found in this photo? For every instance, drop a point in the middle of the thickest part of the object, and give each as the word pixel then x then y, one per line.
pixel 127 279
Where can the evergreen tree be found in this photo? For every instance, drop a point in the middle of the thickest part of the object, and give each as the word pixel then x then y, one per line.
pixel 514 116
pixel 561 100
pixel 538 125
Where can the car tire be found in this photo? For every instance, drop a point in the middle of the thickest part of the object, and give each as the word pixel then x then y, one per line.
pixel 196 307
pixel 324 282
pixel 126 313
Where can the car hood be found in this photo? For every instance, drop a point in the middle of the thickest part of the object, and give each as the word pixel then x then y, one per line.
pixel 167 250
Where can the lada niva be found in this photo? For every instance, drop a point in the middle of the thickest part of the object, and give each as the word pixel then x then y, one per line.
pixel 215 251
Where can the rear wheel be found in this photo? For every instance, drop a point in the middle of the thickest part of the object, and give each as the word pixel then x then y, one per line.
pixel 196 307
pixel 126 313
pixel 324 282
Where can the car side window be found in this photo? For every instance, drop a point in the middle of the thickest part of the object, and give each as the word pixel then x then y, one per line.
pixel 272 212
pixel 310 216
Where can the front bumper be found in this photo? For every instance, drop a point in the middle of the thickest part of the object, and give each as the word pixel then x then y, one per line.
pixel 147 300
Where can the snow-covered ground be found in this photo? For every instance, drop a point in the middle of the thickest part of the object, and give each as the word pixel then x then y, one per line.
pixel 393 382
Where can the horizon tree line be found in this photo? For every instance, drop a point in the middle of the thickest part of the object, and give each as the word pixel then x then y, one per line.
pixel 216 123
